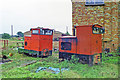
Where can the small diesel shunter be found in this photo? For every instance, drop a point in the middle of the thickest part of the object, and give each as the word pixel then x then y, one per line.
pixel 39 43
pixel 85 45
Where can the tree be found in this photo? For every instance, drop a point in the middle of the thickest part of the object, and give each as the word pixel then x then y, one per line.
pixel 20 34
pixel 67 33
pixel 5 36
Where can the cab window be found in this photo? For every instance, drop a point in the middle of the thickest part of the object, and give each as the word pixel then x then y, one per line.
pixel 41 32
pixel 45 32
pixel 48 32
pixel 35 32
pixel 97 30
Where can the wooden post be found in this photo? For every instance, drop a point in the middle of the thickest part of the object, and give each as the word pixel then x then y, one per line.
pixel 4 44
pixel 7 42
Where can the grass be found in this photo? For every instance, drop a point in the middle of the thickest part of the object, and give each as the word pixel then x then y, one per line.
pixel 76 70
pixel 12 43
pixel 15 69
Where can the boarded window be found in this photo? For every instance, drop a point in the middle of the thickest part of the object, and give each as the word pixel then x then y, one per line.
pixel 65 45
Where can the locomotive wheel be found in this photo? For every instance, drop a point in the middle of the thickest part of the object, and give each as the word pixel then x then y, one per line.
pixel 32 55
pixel 45 52
pixel 83 60
pixel 68 57
pixel 37 55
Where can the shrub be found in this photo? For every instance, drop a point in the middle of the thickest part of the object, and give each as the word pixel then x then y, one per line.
pixel 5 36
pixel 74 59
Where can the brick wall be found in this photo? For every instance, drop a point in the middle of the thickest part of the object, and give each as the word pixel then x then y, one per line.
pixel 56 44
pixel 57 34
pixel 119 24
pixel 106 16
pixel 27 33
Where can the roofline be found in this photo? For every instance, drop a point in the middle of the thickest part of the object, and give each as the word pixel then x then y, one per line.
pixel 41 28
pixel 88 25
pixel 68 37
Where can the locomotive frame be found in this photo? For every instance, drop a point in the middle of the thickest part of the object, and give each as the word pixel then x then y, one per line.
pixel 38 43
pixel 86 45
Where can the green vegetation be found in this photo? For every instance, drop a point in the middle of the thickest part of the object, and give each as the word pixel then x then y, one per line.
pixel 20 34
pixel 16 69
pixel 5 36
pixel 67 33
pixel 16 39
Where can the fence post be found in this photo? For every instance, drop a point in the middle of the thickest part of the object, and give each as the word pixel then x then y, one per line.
pixel 4 44
pixel 7 42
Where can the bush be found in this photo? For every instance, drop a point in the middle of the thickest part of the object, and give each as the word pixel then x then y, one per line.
pixel 74 59
pixel 5 36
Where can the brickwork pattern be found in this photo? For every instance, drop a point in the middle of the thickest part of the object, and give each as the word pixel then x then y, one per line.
pixel 106 16
pixel 119 24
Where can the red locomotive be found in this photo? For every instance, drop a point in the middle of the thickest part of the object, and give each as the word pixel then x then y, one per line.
pixel 86 45
pixel 38 43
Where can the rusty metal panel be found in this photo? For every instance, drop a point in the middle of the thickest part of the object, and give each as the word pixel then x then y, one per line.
pixel 71 46
pixel 83 39
pixel 96 41
pixel 45 42
pixel 87 42
pixel 27 42
pixel 38 42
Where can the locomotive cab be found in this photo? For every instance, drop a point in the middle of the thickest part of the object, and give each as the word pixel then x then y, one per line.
pixel 39 42
pixel 86 44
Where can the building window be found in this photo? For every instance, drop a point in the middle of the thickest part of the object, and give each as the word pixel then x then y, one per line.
pixel 65 45
pixel 94 2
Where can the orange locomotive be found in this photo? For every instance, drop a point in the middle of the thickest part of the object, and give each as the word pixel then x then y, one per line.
pixel 86 45
pixel 38 43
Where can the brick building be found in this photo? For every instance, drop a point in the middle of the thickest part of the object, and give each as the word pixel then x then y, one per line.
pixel 27 33
pixel 105 14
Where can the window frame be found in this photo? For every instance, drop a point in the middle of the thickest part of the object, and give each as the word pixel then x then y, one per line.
pixel 99 32
pixel 94 3
pixel 35 30
pixel 44 33
pixel 66 48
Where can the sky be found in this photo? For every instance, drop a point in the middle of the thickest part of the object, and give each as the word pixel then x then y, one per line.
pixel 26 14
